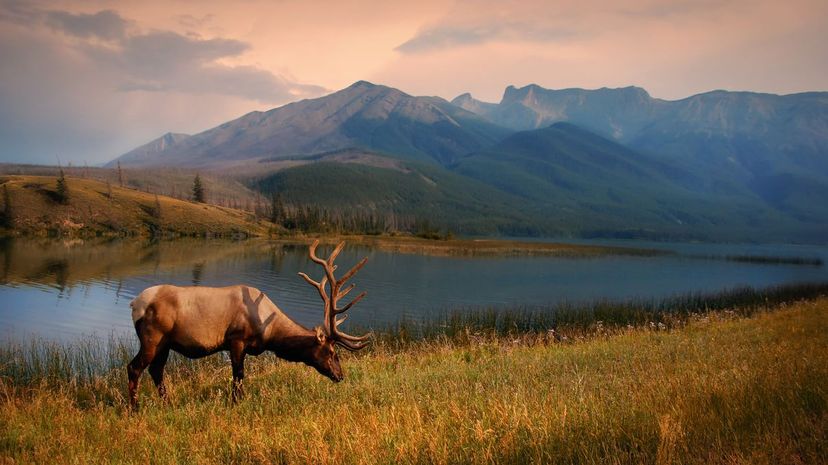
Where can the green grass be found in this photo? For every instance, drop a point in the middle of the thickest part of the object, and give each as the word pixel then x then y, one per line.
pixel 718 389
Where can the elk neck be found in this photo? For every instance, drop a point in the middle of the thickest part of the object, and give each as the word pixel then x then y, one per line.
pixel 292 341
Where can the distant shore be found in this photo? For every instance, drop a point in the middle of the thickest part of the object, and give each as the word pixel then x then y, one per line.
pixel 100 209
pixel 475 247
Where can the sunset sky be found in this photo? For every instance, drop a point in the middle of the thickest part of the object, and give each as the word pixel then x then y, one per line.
pixel 83 82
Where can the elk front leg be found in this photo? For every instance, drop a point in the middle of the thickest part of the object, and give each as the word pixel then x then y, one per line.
pixel 237 361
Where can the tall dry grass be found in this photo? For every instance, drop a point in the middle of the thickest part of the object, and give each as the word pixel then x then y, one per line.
pixel 721 389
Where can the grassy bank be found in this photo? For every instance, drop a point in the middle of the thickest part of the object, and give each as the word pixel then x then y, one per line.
pixel 718 389
pixel 97 208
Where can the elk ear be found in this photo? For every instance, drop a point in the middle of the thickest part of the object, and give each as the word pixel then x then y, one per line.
pixel 320 335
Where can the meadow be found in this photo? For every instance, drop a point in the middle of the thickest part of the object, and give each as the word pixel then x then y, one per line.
pixel 741 382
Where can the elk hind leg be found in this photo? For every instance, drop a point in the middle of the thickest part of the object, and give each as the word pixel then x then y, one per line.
pixel 156 370
pixel 136 367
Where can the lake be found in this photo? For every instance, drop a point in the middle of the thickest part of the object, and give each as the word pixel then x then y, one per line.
pixel 64 289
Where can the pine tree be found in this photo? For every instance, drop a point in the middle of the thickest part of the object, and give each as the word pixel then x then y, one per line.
pixel 198 189
pixel 277 208
pixel 62 190
pixel 8 212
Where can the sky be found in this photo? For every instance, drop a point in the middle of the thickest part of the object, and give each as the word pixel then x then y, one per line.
pixel 84 82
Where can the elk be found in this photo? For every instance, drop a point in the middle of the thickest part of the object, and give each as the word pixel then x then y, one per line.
pixel 199 321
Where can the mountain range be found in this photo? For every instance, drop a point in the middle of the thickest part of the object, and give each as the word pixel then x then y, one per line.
pixel 607 162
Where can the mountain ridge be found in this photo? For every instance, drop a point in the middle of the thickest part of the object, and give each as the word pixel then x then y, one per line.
pixel 719 164
pixel 362 115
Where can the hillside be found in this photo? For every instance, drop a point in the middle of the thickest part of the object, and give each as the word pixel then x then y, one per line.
pixel 555 181
pixel 96 208
pixel 220 187
pixel 593 186
pixel 363 115
pixel 422 191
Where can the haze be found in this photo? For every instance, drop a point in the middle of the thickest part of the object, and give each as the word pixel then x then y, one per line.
pixel 82 82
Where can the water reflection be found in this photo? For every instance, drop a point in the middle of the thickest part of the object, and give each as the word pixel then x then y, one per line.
pixel 64 288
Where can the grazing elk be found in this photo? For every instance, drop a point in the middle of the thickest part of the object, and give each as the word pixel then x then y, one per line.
pixel 199 321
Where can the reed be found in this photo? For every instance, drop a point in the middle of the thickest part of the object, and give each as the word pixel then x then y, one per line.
pixel 764 259
pixel 579 319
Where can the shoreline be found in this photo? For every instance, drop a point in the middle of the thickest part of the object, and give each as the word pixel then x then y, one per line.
pixel 473 247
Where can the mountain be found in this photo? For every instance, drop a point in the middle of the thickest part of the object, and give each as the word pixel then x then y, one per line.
pixel 744 133
pixel 150 151
pixel 612 113
pixel 363 115
pixel 606 162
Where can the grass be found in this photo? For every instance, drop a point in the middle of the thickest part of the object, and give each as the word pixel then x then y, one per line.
pixel 763 259
pixel 720 388
pixel 95 208
pixel 771 260
pixel 586 318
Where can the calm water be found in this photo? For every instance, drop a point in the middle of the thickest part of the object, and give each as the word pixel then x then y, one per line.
pixel 65 289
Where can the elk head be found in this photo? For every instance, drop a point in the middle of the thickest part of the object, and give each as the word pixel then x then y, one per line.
pixel 324 357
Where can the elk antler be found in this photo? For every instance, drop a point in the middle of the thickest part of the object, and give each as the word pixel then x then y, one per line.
pixel 332 309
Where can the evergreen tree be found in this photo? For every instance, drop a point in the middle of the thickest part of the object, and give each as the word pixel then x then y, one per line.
pixel 8 212
pixel 62 191
pixel 120 175
pixel 198 189
pixel 277 208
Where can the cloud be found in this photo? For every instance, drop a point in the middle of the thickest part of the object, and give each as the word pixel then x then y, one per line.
pixel 446 36
pixel 477 22
pixel 165 61
pixel 191 21
pixel 91 86
pixel 106 24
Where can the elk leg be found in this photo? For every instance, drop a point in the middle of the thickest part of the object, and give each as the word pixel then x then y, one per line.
pixel 149 344
pixel 134 370
pixel 237 361
pixel 156 370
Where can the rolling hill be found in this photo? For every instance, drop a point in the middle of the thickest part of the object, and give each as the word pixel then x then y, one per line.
pixel 97 208
pixel 419 190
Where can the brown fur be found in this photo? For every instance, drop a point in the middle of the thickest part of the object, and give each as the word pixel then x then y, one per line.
pixel 199 321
